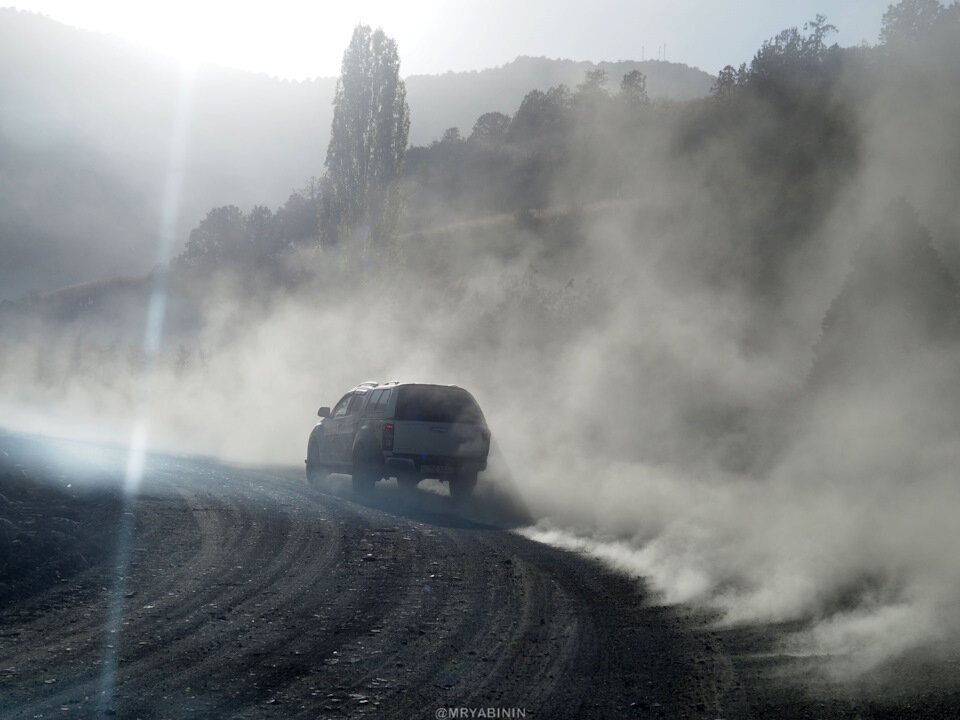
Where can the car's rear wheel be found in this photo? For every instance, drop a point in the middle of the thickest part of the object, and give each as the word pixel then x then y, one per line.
pixel 316 472
pixel 366 472
pixel 461 486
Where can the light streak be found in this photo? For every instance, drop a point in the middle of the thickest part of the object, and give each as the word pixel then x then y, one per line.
pixel 152 337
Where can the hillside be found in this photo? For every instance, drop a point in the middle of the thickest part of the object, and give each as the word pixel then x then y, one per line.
pixel 85 129
pixel 898 300
pixel 458 99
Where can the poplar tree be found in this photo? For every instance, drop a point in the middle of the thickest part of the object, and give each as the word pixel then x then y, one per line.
pixel 368 139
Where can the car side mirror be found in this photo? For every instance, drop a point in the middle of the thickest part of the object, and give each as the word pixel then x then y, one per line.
pixel 323 412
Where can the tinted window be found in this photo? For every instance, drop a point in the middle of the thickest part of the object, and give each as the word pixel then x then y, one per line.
pixel 381 405
pixel 355 403
pixel 374 401
pixel 428 403
pixel 341 409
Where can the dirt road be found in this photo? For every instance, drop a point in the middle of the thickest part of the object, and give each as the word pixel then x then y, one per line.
pixel 233 592
pixel 225 592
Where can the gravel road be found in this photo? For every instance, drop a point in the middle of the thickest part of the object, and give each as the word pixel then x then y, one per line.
pixel 238 592
pixel 234 592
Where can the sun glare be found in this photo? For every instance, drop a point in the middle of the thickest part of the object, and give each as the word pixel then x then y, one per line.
pixel 286 39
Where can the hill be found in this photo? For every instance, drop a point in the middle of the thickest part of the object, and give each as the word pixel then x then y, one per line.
pixel 86 122
pixel 898 301
pixel 458 99
pixel 85 128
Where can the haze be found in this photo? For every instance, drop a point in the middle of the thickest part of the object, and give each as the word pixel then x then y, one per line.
pixel 713 320
pixel 297 40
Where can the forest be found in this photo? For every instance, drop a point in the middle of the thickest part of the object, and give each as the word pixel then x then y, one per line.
pixel 85 139
pixel 759 193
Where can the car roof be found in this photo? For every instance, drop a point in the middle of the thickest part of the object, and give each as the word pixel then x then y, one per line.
pixel 373 385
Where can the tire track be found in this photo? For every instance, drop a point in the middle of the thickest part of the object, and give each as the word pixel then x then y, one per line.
pixel 250 597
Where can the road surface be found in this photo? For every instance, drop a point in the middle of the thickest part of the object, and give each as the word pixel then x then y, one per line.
pixel 235 592
pixel 238 592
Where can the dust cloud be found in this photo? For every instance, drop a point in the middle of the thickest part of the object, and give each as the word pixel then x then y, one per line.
pixel 770 438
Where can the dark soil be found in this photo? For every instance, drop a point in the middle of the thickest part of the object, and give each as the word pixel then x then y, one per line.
pixel 52 523
pixel 238 592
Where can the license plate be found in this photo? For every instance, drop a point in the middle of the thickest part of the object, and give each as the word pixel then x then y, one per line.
pixel 436 469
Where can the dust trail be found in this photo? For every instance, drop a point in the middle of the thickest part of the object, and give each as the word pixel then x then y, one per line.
pixel 722 356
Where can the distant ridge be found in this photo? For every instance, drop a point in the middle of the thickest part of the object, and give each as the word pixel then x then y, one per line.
pixel 85 125
pixel 459 98
pixel 85 141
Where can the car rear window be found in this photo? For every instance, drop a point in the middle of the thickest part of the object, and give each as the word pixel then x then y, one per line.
pixel 378 401
pixel 427 403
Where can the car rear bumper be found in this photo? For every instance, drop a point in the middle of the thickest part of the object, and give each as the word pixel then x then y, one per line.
pixel 430 466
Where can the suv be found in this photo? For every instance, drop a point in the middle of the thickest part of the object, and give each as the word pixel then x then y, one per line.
pixel 403 430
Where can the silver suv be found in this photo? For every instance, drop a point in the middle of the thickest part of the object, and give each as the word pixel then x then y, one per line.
pixel 404 430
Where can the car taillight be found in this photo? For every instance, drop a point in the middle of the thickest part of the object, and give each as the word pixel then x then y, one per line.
pixel 486 438
pixel 388 436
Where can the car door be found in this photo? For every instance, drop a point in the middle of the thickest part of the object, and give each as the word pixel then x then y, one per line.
pixel 330 446
pixel 346 429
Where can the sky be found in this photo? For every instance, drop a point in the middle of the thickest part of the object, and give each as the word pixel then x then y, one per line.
pixel 297 40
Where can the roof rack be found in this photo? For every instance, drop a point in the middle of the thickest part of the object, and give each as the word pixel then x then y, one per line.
pixel 367 384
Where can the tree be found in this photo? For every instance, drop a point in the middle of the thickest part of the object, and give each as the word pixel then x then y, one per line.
pixel 633 88
pixel 727 80
pixel 818 30
pixel 541 113
pixel 912 21
pixel 593 83
pixel 490 128
pixel 219 235
pixel 791 52
pixel 451 135
pixel 297 220
pixel 260 236
pixel 368 141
